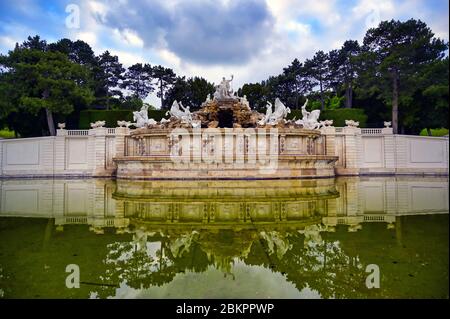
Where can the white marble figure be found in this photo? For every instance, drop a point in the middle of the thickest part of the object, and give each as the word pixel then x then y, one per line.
pixel 141 117
pixel 266 117
pixel 98 124
pixel 121 123
pixel 178 111
pixel 223 90
pixel 278 115
pixel 351 123
pixel 326 123
pixel 245 102
pixel 310 119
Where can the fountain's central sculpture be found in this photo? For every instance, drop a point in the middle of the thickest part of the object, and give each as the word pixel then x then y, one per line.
pixel 226 138
pixel 224 90
pixel 228 110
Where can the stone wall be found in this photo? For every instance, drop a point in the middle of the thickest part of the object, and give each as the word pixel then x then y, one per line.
pixel 378 151
pixel 91 152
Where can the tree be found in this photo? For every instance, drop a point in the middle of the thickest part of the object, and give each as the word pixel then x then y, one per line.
pixel 199 88
pixel 109 71
pixel 34 80
pixel 256 94
pixel 138 79
pixel 191 92
pixel 430 107
pixel 165 77
pixel 395 53
pixel 78 52
pixel 295 83
pixel 343 69
pixel 317 70
pixel 178 91
pixel 34 43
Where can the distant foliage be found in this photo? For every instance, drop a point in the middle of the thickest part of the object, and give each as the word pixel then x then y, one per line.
pixel 112 116
pixel 435 132
pixel 338 116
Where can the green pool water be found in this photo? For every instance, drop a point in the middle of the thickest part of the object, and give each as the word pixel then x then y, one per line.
pixel 254 239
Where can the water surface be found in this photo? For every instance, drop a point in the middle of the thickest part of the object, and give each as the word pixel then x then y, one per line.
pixel 224 239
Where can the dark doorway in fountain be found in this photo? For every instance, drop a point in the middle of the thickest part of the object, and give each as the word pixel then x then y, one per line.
pixel 225 118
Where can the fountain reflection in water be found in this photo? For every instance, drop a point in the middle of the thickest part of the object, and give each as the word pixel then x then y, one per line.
pixel 294 238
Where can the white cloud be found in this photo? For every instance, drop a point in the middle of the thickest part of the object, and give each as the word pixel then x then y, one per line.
pixel 86 36
pixel 293 29
pixel 7 42
pixel 128 37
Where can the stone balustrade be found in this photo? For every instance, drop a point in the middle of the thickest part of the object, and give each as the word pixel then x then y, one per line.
pixel 92 152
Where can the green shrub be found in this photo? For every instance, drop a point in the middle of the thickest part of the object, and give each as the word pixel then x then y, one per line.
pixel 435 132
pixel 338 116
pixel 5 133
pixel 112 116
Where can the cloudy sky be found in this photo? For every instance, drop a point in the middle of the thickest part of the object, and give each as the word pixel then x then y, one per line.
pixel 251 39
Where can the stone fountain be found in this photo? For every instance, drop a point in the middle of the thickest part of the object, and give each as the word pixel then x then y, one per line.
pixel 226 139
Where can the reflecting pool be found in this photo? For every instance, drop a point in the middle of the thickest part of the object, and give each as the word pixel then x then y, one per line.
pixel 225 239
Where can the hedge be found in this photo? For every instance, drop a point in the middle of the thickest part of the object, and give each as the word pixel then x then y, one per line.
pixel 112 116
pixel 338 116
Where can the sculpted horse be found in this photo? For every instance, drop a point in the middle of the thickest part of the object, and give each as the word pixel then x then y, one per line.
pixel 310 119
pixel 184 114
pixel 140 118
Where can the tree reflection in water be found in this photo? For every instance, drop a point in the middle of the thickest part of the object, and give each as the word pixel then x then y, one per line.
pixel 305 258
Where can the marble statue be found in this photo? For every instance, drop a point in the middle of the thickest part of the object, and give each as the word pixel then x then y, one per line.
pixel 61 126
pixel 98 124
pixel 326 123
pixel 387 124
pixel 266 117
pixel 351 123
pixel 141 117
pixel 223 90
pixel 245 102
pixel 278 115
pixel 309 119
pixel 178 111
pixel 126 124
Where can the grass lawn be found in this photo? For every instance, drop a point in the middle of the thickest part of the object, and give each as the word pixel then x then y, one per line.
pixel 435 132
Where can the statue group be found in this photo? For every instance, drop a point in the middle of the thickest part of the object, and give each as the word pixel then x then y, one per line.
pixel 273 118
pixel 224 90
pixel 310 119
pixel 274 114
pixel 141 117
